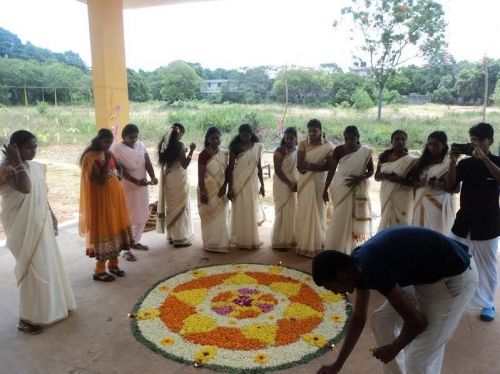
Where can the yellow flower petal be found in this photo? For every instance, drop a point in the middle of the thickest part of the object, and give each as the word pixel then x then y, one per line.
pixel 167 341
pixel 330 297
pixel 205 354
pixel 287 288
pixel 147 314
pixel 300 311
pixel 261 358
pixel 240 278
pixel 316 340
pixel 192 297
pixel 275 269
pixel 263 332
pixel 197 323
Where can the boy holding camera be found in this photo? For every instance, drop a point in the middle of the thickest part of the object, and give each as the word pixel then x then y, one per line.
pixel 477 223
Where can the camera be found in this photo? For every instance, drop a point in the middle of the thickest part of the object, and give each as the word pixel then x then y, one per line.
pixel 464 149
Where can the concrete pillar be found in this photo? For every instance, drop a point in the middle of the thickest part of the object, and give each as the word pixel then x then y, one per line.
pixel 108 63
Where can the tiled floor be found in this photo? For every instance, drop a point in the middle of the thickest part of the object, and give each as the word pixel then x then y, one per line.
pixel 89 342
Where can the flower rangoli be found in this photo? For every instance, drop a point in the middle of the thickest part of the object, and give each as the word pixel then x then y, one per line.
pixel 240 318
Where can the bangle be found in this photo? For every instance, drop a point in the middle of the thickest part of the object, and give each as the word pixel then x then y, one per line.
pixel 308 165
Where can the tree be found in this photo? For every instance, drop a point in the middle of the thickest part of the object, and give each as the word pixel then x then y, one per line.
pixel 496 94
pixel 361 100
pixel 10 44
pixel 389 29
pixel 304 85
pixel 344 86
pixel 331 68
pixel 179 82
pixel 137 88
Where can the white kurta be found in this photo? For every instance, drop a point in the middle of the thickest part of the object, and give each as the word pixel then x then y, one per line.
pixel 44 288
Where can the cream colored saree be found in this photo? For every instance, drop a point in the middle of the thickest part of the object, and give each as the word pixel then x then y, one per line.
pixel 311 226
pixel 247 213
pixel 285 205
pixel 351 221
pixel 213 216
pixel 396 200
pixel 434 209
pixel 44 290
pixel 173 205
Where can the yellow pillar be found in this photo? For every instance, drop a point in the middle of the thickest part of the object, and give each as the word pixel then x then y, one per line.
pixel 108 63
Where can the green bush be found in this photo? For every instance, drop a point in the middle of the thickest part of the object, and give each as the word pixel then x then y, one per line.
pixel 42 107
pixel 361 100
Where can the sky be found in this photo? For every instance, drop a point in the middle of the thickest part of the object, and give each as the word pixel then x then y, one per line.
pixel 236 33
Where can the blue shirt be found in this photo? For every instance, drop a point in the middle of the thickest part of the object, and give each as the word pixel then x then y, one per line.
pixel 408 256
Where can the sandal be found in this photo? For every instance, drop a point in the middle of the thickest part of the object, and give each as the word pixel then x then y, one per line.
pixel 103 277
pixel 29 328
pixel 140 247
pixel 182 245
pixel 129 256
pixel 117 271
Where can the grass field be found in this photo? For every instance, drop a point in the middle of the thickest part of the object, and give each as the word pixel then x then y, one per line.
pixel 76 125
pixel 64 131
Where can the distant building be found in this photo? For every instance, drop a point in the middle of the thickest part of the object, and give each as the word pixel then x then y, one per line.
pixel 360 68
pixel 212 86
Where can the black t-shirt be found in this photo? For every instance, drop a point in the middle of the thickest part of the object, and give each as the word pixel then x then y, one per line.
pixel 479 212
pixel 408 256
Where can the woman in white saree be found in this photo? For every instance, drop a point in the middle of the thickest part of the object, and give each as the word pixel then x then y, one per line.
pixel 312 157
pixel 350 167
pixel 134 159
pixel 243 176
pixel 212 205
pixel 174 215
pixel 284 192
pixel 396 198
pixel 435 205
pixel 44 289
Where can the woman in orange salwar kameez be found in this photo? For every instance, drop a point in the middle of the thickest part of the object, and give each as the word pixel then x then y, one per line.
pixel 104 219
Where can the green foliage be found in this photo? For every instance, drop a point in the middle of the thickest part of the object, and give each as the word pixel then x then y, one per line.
pixel 137 88
pixel 76 124
pixel 389 27
pixel 12 47
pixel 443 95
pixel 47 77
pixel 392 96
pixel 42 107
pixel 496 94
pixel 361 100
pixel 179 82
pixel 400 83
pixel 344 86
pixel 304 85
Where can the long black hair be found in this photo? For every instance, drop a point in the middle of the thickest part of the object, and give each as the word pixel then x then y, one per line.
pixel 170 145
pixel 21 137
pixel 95 144
pixel 210 131
pixel 245 128
pixel 289 131
pixel 426 158
pixel 316 123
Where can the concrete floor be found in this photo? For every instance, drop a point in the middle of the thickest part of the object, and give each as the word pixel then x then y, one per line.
pixel 97 338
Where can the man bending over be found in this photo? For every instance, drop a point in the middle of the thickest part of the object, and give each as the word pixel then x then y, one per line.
pixel 414 324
